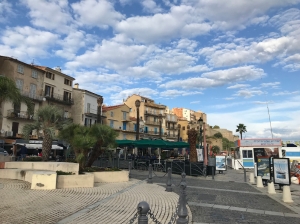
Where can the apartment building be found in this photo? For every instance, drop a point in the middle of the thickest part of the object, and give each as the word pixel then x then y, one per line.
pixel 57 89
pixel 118 118
pixel 151 114
pixel 171 124
pixel 29 79
pixel 85 110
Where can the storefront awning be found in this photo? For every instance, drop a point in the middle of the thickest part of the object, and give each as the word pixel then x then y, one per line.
pixel 39 146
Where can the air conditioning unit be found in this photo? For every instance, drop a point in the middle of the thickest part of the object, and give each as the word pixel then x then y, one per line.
pixel 8 134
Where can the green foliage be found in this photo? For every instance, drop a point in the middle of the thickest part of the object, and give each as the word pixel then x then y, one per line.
pixel 33 158
pixel 216 127
pixel 99 169
pixel 215 149
pixel 59 172
pixel 69 160
pixel 241 128
pixel 218 135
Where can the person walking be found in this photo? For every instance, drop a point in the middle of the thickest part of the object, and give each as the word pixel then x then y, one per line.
pixel 23 152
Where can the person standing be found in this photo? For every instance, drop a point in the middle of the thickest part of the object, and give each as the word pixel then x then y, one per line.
pixel 23 151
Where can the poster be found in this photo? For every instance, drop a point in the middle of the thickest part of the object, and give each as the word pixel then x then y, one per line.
pixel 282 171
pixel 200 155
pixel 263 167
pixel 220 162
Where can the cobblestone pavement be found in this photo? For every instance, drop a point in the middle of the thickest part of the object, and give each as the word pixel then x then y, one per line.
pixel 227 199
pixel 110 203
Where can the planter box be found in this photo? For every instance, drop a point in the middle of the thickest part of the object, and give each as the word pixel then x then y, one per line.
pixel 111 176
pixel 70 181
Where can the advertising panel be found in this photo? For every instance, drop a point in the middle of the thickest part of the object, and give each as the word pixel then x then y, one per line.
pixel 220 162
pixel 263 167
pixel 200 155
pixel 282 171
pixel 259 142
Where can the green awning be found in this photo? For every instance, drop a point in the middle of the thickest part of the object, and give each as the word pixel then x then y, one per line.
pixel 157 143
pixel 125 142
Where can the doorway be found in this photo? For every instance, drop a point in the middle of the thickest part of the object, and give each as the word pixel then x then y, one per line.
pixel 15 128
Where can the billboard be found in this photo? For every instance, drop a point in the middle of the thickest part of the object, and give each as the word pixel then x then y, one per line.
pixel 258 142
pixel 281 171
pixel 221 162
pixel 263 167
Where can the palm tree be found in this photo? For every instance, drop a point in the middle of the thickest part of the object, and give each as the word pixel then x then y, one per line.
pixel 106 138
pixel 48 120
pixel 241 128
pixel 10 92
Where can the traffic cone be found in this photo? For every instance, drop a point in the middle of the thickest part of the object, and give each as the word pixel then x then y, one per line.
pixel 286 194
pixel 259 182
pixel 252 181
pixel 271 188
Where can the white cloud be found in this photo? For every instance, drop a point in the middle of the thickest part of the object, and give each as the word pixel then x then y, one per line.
pixel 217 78
pixel 195 102
pixel 50 14
pixel 238 86
pixel 284 93
pixel 24 42
pixel 173 93
pixel 273 85
pixel 248 93
pixel 150 6
pixel 146 92
pixel 99 13
pixel 5 11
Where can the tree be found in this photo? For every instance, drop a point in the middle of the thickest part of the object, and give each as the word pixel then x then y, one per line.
pixel 215 149
pixel 241 128
pixel 216 127
pixel 106 138
pixel 47 120
pixel 10 92
pixel 218 135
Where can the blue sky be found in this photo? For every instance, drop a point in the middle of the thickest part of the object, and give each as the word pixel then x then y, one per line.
pixel 230 59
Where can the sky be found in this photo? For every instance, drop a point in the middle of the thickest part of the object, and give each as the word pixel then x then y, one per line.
pixel 238 61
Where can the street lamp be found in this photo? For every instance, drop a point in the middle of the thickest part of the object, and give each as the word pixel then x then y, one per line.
pixel 200 122
pixel 160 121
pixel 137 104
pixel 178 137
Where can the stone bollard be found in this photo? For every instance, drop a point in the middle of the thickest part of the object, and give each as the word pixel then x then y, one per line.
pixel 169 181
pixel 255 167
pixel 150 181
pixel 245 175
pixel 251 178
pixel 182 209
pixel 129 169
pixel 286 194
pixel 271 188
pixel 143 209
pixel 259 182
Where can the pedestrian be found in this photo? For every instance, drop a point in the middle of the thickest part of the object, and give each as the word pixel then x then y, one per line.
pixel 40 153
pixel 23 152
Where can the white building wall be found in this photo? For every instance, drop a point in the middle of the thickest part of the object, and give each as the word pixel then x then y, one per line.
pixel 92 100
pixel 186 114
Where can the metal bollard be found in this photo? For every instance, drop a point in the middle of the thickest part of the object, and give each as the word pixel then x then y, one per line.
pixel 245 176
pixel 182 209
pixel 150 181
pixel 169 181
pixel 143 209
pixel 129 169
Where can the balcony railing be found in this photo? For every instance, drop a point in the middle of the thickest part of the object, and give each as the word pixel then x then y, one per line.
pixel 171 127
pixel 59 98
pixel 32 96
pixel 153 113
pixel 152 122
pixel 91 112
pixel 14 114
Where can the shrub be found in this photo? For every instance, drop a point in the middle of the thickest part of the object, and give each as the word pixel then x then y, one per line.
pixel 33 158
pixel 99 169
pixel 70 160
pixel 59 172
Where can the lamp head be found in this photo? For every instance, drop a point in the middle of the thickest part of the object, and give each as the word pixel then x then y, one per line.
pixel 137 103
pixel 200 122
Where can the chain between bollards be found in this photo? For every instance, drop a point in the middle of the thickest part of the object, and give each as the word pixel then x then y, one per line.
pixel 150 181
pixel 169 181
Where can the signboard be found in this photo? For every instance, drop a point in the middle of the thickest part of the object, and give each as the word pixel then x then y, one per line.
pixel 259 142
pixel 263 167
pixel 200 155
pixel 220 162
pixel 282 171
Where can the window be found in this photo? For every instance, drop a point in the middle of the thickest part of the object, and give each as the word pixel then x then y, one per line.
pixel 32 91
pixel 34 74
pixel 247 154
pixel 67 96
pixel 111 113
pixel 66 115
pixel 21 69
pixel 124 136
pixel 68 82
pixel 88 107
pixel 49 75
pixel 155 130
pixel 124 115
pixel 85 122
pixel 111 123
pixel 19 84
pixel 49 91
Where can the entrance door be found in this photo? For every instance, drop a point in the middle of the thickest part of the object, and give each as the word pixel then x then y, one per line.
pixel 15 128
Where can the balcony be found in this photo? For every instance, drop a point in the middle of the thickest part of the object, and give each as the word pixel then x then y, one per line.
pixel 20 115
pixel 90 112
pixel 171 127
pixel 119 128
pixel 150 113
pixel 171 121
pixel 32 96
pixel 154 105
pixel 59 98
pixel 152 122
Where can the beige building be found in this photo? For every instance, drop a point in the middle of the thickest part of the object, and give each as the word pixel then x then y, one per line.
pixel 118 118
pixel 85 109
pixel 57 89
pixel 149 112
pixel 29 79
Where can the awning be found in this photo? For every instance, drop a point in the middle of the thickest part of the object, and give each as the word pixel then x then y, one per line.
pixel 158 143
pixel 39 146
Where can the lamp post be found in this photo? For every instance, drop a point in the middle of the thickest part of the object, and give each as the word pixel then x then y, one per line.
pixel 137 104
pixel 99 110
pixel 160 121
pixel 178 137
pixel 200 122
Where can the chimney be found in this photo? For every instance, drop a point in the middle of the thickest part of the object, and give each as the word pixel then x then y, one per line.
pixel 76 85
pixel 57 68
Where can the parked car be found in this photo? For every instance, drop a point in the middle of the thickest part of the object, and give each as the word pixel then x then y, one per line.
pixel 3 152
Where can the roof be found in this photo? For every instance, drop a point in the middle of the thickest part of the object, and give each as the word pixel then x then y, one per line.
pixel 105 108
pixel 84 90
pixel 45 68
pixel 16 60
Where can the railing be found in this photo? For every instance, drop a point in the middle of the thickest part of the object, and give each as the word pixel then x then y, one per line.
pixel 120 128
pixel 59 98
pixel 171 128
pixel 171 121
pixel 91 111
pixel 152 122
pixel 14 114
pixel 32 96
pixel 153 113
